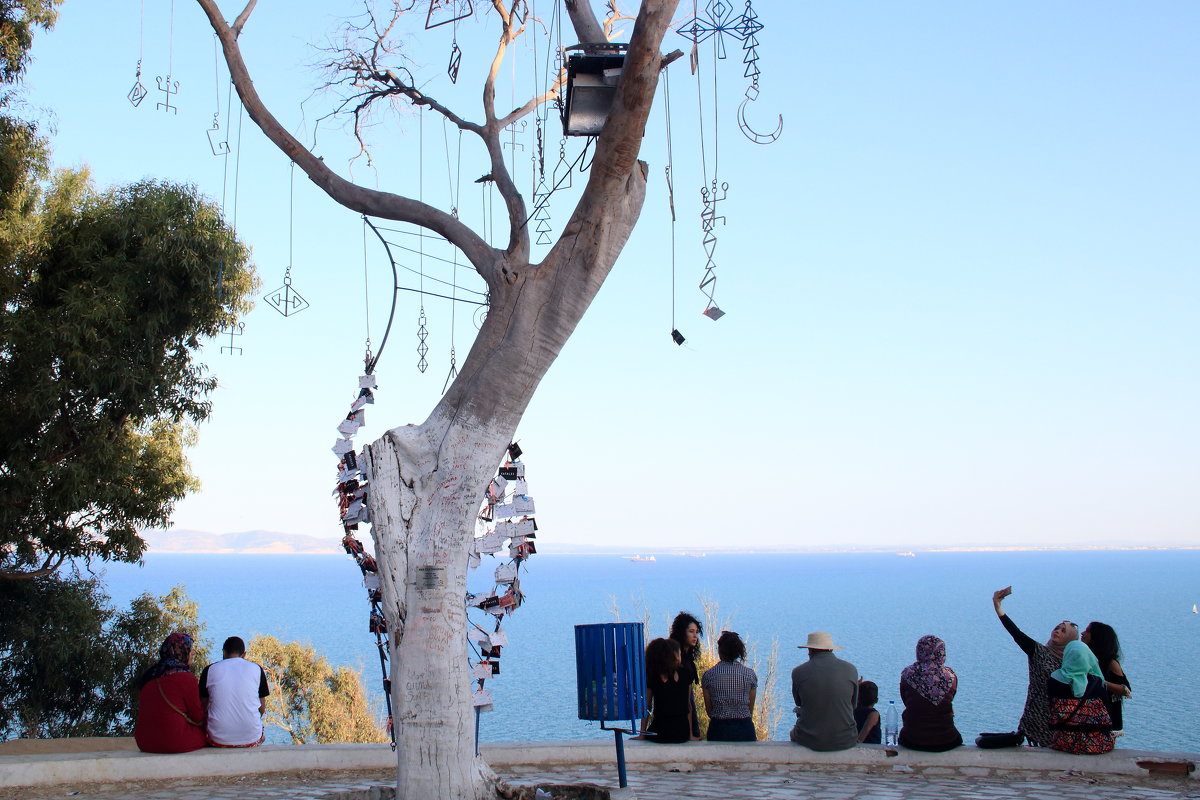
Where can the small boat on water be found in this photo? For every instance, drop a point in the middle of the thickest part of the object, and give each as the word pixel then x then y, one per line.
pixel 1194 609
pixel 639 558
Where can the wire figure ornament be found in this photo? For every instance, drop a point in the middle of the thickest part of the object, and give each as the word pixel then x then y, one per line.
pixel 708 223
pixel 166 84
pixel 286 300
pixel 138 92
pixel 233 331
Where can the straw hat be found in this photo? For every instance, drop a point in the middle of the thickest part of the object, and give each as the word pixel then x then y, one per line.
pixel 820 640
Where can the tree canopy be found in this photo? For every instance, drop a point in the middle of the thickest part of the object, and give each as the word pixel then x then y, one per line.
pixel 68 658
pixel 313 702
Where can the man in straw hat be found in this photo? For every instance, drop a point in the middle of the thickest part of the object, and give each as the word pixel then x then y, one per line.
pixel 825 689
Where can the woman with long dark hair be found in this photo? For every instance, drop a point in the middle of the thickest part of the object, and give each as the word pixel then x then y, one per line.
pixel 1102 640
pixel 670 721
pixel 170 718
pixel 686 630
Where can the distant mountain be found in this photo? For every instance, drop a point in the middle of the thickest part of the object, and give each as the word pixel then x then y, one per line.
pixel 182 541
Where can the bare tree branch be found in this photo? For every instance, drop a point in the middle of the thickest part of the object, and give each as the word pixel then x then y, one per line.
pixel 583 19
pixel 242 18
pixel 385 205
pixel 48 567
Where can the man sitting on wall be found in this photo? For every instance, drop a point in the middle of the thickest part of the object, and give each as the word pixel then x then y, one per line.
pixel 235 691
pixel 825 689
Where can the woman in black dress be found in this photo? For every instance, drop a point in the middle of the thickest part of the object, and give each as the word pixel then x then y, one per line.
pixel 686 630
pixel 1102 640
pixel 1043 659
pixel 671 720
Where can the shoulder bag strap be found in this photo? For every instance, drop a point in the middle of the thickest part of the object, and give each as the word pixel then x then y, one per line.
pixel 180 712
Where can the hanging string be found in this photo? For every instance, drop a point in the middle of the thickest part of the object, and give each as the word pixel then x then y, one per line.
pixel 670 174
pixel 287 275
pixel 366 301
pixel 422 320
pixel 453 373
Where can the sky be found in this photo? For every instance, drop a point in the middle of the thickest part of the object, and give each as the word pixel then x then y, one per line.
pixel 961 288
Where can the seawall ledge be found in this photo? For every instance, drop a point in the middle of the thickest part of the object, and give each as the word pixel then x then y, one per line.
pixel 115 765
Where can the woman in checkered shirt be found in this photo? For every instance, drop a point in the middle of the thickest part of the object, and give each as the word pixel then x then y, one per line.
pixel 729 691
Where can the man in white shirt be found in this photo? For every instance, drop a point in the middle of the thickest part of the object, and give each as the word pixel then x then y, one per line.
pixel 235 692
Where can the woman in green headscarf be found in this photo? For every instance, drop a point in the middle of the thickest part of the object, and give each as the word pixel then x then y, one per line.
pixel 1079 720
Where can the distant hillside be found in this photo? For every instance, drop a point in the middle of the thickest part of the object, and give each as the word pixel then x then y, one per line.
pixel 180 541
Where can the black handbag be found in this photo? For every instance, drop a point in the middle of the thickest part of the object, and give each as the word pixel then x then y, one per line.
pixel 990 741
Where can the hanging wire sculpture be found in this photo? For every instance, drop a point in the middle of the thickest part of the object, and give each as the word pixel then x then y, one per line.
pixel 233 331
pixel 241 326
pixel 717 22
pixel 447 11
pixel 165 84
pixel 219 145
pixel 138 92
pixel 708 222
pixel 285 299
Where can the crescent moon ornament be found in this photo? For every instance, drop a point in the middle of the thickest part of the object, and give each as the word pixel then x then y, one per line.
pixel 750 133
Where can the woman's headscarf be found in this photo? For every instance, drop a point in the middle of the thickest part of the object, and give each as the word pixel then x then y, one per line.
pixel 929 675
pixel 1078 663
pixel 1057 649
pixel 172 657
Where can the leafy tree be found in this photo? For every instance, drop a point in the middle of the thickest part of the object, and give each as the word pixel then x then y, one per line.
pixel 104 300
pixel 68 659
pixel 310 700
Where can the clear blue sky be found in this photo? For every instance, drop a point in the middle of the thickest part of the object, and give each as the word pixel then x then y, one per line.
pixel 962 289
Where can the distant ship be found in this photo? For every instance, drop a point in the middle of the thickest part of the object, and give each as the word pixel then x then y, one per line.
pixel 639 558
pixel 907 555
pixel 1194 609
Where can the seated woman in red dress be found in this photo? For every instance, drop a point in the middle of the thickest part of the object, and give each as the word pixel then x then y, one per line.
pixel 170 718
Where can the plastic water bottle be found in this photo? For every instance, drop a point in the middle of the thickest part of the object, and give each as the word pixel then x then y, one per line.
pixel 891 724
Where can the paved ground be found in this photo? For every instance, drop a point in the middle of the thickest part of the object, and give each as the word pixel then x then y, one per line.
pixel 656 784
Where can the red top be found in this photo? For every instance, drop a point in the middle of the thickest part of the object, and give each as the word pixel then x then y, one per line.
pixel 161 729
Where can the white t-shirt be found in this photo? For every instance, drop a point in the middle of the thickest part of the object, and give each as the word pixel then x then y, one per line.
pixel 233 689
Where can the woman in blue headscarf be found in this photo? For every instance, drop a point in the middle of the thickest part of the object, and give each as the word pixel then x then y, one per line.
pixel 1079 719
pixel 170 718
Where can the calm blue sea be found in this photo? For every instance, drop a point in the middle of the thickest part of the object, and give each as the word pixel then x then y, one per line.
pixel 875 605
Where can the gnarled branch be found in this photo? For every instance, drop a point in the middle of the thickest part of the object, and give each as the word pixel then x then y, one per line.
pixel 385 205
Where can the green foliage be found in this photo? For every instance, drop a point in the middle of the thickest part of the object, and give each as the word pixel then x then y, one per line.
pixel 101 315
pixel 18 19
pixel 310 700
pixel 68 659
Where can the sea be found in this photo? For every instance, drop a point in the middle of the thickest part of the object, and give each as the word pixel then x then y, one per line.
pixel 875 605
